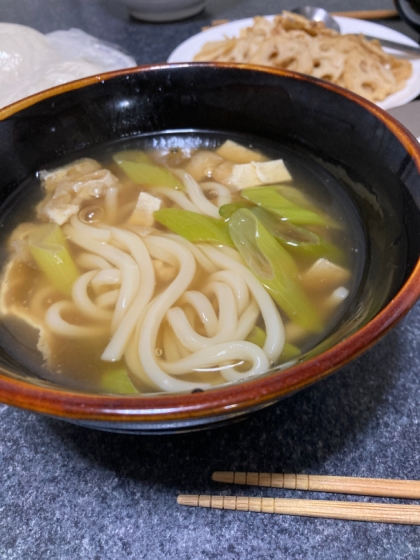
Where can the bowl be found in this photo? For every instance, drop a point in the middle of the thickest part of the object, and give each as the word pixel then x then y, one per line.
pixel 375 159
pixel 163 10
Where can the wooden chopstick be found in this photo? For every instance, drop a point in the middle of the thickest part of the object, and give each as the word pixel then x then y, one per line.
pixel 386 488
pixel 368 14
pixel 354 511
pixel 360 14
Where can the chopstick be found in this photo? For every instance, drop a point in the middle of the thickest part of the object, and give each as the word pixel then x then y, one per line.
pixel 354 511
pixel 368 14
pixel 360 14
pixel 386 488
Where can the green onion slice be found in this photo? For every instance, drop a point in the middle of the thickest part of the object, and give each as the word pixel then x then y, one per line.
pixel 272 199
pixel 274 267
pixel 141 170
pixel 194 227
pixel 49 249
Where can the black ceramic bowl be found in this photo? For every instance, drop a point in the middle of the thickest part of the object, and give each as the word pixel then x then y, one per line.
pixel 373 157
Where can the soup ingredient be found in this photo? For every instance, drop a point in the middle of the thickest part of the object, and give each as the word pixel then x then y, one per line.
pixel 146 205
pixel 273 266
pixel 117 381
pixel 234 152
pixel 272 199
pixel 256 173
pixel 69 187
pixel 49 249
pixel 140 169
pixel 194 226
pixel 292 42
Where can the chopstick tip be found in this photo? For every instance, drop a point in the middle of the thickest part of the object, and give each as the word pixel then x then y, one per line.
pixel 187 500
pixel 223 476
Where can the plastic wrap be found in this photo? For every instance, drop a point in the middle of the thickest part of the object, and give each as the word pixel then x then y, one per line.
pixel 31 62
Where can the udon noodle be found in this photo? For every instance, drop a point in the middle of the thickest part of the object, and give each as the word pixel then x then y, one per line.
pixel 174 269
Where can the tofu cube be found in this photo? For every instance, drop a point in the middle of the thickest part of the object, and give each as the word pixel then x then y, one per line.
pixel 143 212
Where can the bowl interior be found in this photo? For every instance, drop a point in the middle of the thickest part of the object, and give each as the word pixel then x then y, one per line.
pixel 364 149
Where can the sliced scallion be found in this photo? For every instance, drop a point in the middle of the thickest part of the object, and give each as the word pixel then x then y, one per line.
pixel 274 267
pixel 49 249
pixel 194 227
pixel 274 201
pixel 117 381
pixel 141 170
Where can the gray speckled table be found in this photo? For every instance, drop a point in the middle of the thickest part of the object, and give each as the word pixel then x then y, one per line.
pixel 71 493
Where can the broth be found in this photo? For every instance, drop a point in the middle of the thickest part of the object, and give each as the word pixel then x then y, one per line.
pixel 179 276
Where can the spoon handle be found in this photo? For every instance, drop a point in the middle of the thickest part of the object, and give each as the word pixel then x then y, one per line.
pixel 394 44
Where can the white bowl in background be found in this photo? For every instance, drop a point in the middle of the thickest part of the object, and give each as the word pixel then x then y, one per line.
pixel 163 10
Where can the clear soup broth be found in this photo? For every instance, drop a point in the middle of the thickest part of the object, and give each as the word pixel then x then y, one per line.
pixel 177 262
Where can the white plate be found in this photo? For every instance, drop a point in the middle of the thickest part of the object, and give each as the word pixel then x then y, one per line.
pixel 186 51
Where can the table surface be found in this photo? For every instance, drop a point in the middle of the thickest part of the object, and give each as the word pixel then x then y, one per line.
pixel 71 493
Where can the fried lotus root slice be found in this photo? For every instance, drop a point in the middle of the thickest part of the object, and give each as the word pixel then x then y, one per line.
pixel 262 28
pixel 293 42
pixel 243 51
pixel 328 61
pixel 280 52
pixel 215 50
pixel 368 77
pixel 401 69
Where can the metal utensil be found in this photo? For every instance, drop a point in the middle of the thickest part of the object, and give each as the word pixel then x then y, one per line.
pixel 394 44
pixel 314 13
pixel 317 14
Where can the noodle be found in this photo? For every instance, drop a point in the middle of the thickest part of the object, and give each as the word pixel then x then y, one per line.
pixel 126 264
pixel 82 300
pixel 58 325
pixel 198 199
pixel 227 323
pixel 275 330
pixel 119 341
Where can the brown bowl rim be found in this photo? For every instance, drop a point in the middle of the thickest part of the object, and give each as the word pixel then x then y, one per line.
pixel 228 399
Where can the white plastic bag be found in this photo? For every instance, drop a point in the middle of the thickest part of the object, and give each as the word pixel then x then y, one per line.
pixel 31 62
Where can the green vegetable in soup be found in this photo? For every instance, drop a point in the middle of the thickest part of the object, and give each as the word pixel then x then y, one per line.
pixel 227 210
pixel 136 156
pixel 290 351
pixel 257 336
pixel 194 227
pixel 274 267
pixel 298 240
pixel 141 170
pixel 48 247
pixel 117 381
pixel 272 200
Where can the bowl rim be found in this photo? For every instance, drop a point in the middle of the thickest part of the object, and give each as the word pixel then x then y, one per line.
pixel 226 399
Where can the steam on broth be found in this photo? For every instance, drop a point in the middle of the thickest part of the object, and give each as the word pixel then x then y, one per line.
pixel 180 262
